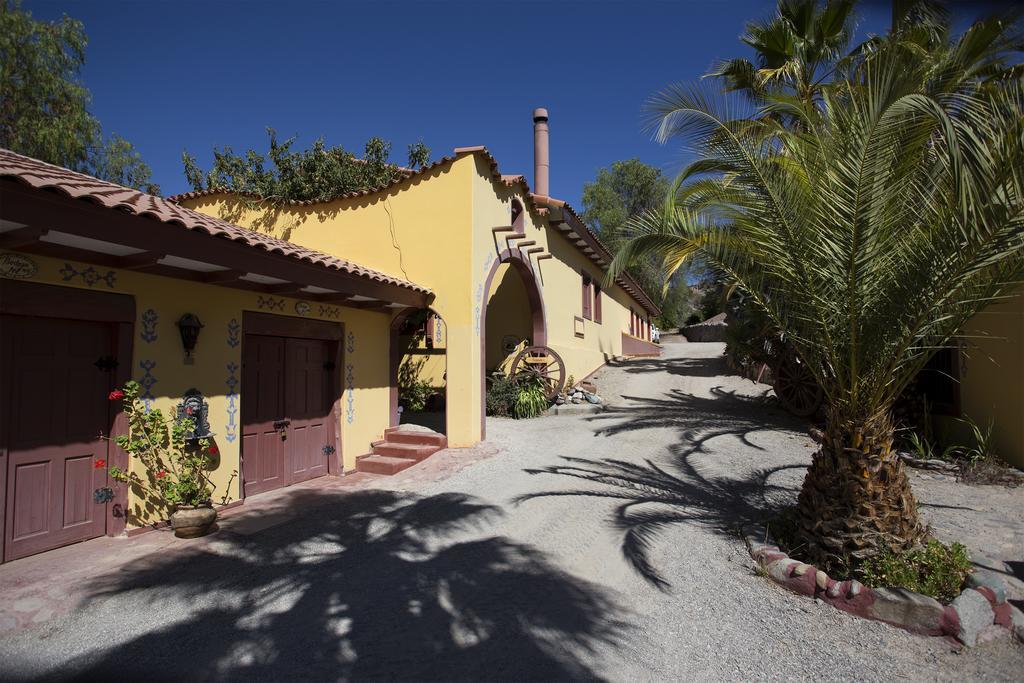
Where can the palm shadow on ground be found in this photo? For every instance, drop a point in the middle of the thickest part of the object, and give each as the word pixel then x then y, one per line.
pixel 365 585
pixel 688 488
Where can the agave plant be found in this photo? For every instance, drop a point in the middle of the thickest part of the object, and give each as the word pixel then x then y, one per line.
pixel 869 232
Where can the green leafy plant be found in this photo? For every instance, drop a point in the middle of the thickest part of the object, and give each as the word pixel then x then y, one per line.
pixel 176 469
pixel 521 396
pixel 934 569
pixel 319 173
pixel 501 395
pixel 927 450
pixel 531 400
pixel 981 446
pixel 413 392
pixel 44 108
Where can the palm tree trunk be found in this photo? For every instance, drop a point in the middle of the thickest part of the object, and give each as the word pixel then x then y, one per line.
pixel 856 497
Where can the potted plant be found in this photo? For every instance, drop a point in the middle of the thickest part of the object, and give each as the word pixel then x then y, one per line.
pixel 175 467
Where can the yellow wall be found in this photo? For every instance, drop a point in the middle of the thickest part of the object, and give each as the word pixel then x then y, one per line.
pixel 508 315
pixel 219 349
pixel 992 376
pixel 436 230
pixel 416 230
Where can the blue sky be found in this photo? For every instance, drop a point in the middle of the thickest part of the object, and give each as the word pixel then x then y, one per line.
pixel 171 76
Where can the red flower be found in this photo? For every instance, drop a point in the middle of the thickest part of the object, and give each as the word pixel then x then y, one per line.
pixel 116 395
pixel 100 464
pixel 188 411
pixel 213 450
pixel 161 474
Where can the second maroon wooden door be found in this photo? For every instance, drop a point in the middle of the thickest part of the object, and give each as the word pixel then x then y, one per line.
pixel 287 401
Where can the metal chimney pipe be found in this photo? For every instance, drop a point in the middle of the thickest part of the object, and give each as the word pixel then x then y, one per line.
pixel 541 162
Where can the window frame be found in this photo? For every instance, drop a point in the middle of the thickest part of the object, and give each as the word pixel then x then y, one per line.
pixel 588 297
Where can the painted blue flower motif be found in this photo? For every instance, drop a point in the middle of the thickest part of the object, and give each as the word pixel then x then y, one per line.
pixel 350 411
pixel 149 321
pixel 269 303
pixel 89 275
pixel 329 311
pixel 233 333
pixel 231 430
pixel 147 382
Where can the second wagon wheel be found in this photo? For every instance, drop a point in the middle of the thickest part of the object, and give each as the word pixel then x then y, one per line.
pixel 544 362
pixel 796 387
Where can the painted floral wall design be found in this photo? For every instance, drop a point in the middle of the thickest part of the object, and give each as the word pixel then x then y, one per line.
pixel 269 303
pixel 149 321
pixel 329 311
pixel 234 329
pixel 147 382
pixel 350 378
pixel 350 394
pixel 231 431
pixel 89 275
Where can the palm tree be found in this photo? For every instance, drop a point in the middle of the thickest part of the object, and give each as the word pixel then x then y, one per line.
pixel 869 232
pixel 796 50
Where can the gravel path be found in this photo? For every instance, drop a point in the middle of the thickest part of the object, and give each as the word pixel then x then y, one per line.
pixel 504 570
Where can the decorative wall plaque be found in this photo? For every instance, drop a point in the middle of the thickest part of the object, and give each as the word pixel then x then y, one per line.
pixel 195 407
pixel 17 266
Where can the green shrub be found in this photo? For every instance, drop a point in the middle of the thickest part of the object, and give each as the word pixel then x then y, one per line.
pixel 936 569
pixel 520 397
pixel 412 391
pixel 501 396
pixel 530 398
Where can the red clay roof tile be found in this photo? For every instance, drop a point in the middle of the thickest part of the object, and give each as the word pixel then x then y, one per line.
pixel 41 175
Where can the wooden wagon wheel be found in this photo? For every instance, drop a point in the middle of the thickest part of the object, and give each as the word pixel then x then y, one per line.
pixel 796 387
pixel 545 363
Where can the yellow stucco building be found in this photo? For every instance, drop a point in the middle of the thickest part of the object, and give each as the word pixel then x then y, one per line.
pixel 306 313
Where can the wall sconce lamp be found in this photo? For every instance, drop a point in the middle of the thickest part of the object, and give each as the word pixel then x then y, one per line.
pixel 189 326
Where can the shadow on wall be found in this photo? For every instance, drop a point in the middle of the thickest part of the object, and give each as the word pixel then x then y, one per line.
pixel 689 489
pixel 365 585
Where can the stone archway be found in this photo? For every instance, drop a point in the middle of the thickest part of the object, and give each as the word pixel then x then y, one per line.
pixel 537 315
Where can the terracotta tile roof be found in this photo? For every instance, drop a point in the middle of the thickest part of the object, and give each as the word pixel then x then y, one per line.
pixel 625 280
pixel 40 175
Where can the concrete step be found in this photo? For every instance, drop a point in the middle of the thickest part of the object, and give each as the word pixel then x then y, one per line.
pixel 382 464
pixel 399 435
pixel 416 452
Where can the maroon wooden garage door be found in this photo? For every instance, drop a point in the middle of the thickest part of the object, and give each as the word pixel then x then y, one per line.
pixel 288 396
pixel 55 407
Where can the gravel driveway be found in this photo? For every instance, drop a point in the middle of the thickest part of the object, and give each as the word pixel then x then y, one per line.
pixel 504 570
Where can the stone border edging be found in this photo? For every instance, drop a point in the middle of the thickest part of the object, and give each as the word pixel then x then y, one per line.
pixel 978 609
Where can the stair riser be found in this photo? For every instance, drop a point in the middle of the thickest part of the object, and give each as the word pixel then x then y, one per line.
pixel 382 468
pixel 439 440
pixel 417 454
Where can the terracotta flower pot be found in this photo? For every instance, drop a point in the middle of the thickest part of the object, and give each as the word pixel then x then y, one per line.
pixel 193 521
